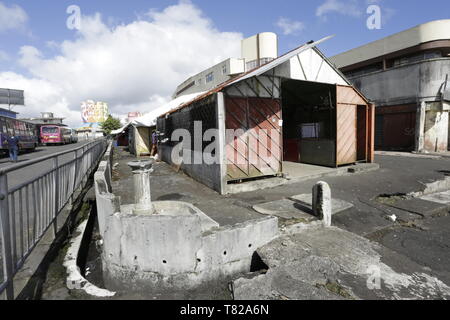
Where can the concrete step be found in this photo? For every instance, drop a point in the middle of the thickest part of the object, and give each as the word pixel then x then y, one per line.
pixel 337 205
pixel 286 209
pixel 298 207
pixel 441 197
pixel 421 206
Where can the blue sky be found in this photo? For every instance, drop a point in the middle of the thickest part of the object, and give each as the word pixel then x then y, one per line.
pixel 31 45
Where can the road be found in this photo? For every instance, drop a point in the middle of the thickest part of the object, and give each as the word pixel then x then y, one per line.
pixel 419 235
pixel 20 176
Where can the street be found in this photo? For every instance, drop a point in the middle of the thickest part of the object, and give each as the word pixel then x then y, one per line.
pixel 419 238
pixel 416 242
pixel 20 176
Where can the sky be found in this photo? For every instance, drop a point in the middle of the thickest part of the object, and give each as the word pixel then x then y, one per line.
pixel 132 54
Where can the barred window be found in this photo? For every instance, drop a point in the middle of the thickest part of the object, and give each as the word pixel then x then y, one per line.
pixel 209 77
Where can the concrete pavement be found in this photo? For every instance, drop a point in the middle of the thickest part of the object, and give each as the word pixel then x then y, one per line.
pixel 412 250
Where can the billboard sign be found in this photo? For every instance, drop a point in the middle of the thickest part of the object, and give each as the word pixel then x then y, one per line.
pixel 133 115
pixel 94 112
pixel 12 97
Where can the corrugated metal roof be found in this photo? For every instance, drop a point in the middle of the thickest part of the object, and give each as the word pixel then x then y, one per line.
pixel 149 119
pixel 254 72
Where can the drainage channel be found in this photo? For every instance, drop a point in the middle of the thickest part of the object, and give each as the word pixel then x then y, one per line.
pixel 89 263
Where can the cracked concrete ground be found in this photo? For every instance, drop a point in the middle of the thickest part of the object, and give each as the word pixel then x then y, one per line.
pixel 414 249
pixel 333 264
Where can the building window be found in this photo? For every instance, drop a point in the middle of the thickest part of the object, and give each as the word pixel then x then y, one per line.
pixel 251 65
pixel 265 60
pixel 365 70
pixel 199 82
pixel 224 69
pixel 417 57
pixel 209 77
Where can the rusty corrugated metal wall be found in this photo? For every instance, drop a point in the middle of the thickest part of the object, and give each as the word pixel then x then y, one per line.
pixel 346 151
pixel 257 152
pixel 351 138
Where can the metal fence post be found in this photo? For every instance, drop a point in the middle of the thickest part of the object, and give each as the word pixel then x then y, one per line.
pixel 39 192
pixel 6 237
pixel 75 175
pixel 55 218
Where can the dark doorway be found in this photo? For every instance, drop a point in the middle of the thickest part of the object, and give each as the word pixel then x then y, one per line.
pixel 309 122
pixel 396 128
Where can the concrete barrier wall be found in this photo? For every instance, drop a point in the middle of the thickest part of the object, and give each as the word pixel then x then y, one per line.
pixel 214 176
pixel 144 252
pixel 107 203
pixel 404 84
pixel 171 252
pixel 209 175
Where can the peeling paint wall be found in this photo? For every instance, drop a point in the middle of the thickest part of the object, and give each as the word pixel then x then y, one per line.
pixel 404 84
pixel 436 128
pixel 446 106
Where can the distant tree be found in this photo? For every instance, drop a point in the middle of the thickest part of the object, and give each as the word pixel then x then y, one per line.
pixel 110 124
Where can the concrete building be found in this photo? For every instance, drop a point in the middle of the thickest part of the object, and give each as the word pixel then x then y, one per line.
pixel 256 51
pixel 407 76
pixel 297 108
pixel 46 118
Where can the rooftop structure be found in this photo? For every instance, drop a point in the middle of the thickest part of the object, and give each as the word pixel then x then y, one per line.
pixel 46 118
pixel 256 51
pixel 406 75
pixel 433 36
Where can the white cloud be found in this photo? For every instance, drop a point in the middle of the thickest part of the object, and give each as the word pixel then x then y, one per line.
pixel 12 18
pixel 289 26
pixel 3 56
pixel 348 8
pixel 40 96
pixel 133 67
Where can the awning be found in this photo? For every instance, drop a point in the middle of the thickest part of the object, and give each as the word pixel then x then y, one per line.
pixel 149 119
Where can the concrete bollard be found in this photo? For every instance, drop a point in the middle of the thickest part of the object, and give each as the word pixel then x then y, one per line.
pixel 322 202
pixel 142 195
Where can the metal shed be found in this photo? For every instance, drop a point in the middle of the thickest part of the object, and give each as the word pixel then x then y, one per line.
pixel 297 108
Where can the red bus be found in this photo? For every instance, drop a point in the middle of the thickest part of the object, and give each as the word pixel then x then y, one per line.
pixel 25 131
pixel 55 135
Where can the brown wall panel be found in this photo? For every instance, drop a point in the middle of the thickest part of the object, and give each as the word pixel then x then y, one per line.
pixel 258 152
pixel 346 142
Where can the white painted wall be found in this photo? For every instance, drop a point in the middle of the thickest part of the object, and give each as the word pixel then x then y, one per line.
pixel 268 46
pixel 431 31
pixel 310 66
pixel 233 66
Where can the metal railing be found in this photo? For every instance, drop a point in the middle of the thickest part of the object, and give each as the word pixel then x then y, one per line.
pixel 30 208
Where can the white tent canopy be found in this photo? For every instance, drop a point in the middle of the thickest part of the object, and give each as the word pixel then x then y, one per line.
pixel 149 119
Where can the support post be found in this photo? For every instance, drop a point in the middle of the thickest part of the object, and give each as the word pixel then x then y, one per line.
pixel 420 126
pixel 322 202
pixel 371 134
pixel 221 143
pixel 55 218
pixel 6 238
pixel 142 192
